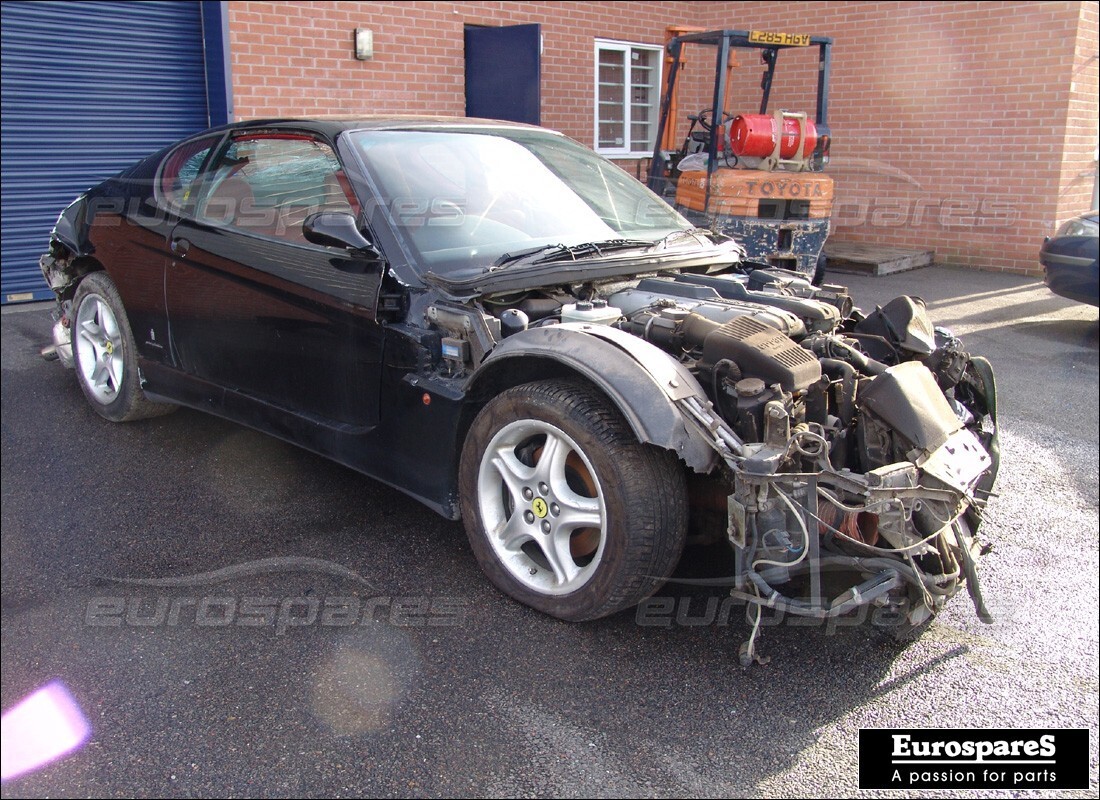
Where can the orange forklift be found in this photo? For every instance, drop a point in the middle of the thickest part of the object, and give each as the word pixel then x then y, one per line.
pixel 754 176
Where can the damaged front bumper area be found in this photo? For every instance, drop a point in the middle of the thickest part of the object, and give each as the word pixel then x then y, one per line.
pixel 57 266
pixel 898 540
pixel 63 264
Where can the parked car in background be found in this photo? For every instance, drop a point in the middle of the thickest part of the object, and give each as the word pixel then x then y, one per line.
pixel 1070 259
pixel 508 327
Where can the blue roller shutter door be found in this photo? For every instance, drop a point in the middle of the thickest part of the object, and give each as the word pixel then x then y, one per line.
pixel 88 89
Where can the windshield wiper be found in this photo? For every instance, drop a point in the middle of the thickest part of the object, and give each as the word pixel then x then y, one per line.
pixel 549 253
pixel 519 255
pixel 563 252
pixel 698 235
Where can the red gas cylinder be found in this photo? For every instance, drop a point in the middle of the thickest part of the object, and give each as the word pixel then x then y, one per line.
pixel 755 135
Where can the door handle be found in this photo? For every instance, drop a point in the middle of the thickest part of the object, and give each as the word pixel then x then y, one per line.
pixel 180 246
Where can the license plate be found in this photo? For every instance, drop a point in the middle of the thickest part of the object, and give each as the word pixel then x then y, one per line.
pixel 785 39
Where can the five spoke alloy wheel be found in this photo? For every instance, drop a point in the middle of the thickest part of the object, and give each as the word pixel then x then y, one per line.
pixel 543 510
pixel 564 508
pixel 104 354
pixel 99 342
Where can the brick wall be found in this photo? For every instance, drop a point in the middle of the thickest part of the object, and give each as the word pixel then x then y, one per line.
pixel 1079 150
pixel 297 58
pixel 966 127
pixel 950 120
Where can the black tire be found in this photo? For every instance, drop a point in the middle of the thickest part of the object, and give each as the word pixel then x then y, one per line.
pixel 104 354
pixel 636 492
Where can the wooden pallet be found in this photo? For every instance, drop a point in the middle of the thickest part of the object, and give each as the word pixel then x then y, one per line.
pixel 875 259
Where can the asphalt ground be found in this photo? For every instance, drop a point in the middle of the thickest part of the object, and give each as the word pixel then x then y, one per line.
pixel 245 680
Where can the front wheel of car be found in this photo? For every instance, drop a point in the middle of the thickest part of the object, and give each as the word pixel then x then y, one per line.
pixel 565 510
pixel 104 354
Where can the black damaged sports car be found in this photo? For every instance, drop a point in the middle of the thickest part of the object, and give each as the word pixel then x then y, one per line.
pixel 504 325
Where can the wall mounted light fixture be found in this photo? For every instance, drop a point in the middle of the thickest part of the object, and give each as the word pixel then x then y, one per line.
pixel 364 43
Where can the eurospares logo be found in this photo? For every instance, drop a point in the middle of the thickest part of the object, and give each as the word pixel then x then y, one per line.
pixel 980 758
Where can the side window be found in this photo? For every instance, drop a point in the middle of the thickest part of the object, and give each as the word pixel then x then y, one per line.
pixel 179 171
pixel 628 89
pixel 267 185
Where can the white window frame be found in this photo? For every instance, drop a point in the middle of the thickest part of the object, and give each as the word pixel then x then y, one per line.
pixel 626 48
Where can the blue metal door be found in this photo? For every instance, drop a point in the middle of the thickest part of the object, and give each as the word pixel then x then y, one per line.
pixel 502 72
pixel 89 88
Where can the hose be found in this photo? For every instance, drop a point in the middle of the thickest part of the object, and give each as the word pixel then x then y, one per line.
pixel 846 374
pixel 833 347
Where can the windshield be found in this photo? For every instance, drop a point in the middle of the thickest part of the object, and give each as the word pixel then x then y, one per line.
pixel 468 199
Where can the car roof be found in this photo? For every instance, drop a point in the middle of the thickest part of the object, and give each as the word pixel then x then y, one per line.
pixel 331 126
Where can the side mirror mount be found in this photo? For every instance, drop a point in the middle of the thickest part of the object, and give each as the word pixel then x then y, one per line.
pixel 338 229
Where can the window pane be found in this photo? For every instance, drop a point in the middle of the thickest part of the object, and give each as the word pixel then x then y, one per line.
pixel 627 98
pixel 611 95
pixel 643 98
pixel 611 134
pixel 181 168
pixel 611 68
pixel 268 186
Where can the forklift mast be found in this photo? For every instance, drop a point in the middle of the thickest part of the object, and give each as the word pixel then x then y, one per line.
pixel 770 44
pixel 761 182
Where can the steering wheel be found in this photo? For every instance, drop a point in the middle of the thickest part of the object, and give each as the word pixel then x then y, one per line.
pixel 705 122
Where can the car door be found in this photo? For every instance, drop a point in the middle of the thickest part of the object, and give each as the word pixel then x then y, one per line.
pixel 130 231
pixel 256 309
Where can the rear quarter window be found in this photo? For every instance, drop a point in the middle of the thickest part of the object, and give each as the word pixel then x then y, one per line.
pixel 179 172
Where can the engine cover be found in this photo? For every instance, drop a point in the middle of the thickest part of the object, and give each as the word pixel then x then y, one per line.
pixel 759 350
pixel 705 301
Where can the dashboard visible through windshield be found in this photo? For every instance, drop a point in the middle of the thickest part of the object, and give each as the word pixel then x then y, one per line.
pixel 461 199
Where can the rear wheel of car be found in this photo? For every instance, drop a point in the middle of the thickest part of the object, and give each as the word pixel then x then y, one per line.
pixel 565 510
pixel 104 355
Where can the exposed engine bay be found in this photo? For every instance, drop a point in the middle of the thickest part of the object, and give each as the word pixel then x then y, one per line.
pixel 852 449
